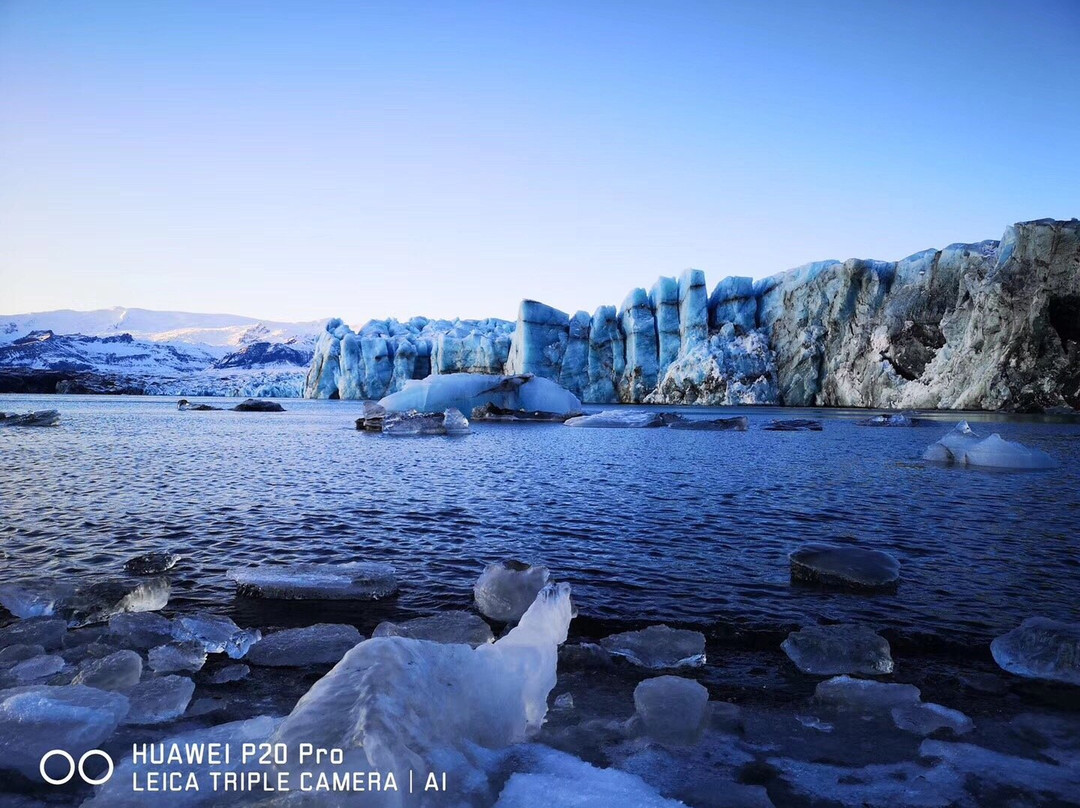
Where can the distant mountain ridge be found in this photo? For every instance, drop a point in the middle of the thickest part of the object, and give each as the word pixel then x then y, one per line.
pixel 122 350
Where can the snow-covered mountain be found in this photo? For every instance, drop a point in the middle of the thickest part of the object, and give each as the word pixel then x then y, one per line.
pixel 167 352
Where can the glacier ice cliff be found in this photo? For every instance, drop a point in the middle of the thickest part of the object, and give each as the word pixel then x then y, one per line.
pixel 993 325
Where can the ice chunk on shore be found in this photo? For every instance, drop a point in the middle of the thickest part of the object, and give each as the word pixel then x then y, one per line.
pixel 672 709
pixel 558 780
pixel 37 719
pixel 506 589
pixel 140 630
pixel 158 700
pixel 1040 648
pixel 829 650
pixel 444 627
pixel 926 718
pixel 962 447
pixel 865 695
pixel 321 644
pixel 216 633
pixel 185 656
pixel 399 705
pixel 100 600
pixel 619 419
pixel 118 793
pixel 844 567
pixel 466 391
pixel 113 672
pixel 44 631
pixel 658 647
pixel 360 580
pixel 37 668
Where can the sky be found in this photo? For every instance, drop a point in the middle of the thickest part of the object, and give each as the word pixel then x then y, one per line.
pixel 298 160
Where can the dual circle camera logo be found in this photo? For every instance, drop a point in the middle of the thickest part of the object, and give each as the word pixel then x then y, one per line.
pixel 79 767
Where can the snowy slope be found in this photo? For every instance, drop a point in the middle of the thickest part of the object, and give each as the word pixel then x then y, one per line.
pixel 227 331
pixel 156 352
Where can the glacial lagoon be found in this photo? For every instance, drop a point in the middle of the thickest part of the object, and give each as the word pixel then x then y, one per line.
pixel 687 528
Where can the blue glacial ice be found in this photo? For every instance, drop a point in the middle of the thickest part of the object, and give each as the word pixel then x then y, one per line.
pixel 962 447
pixel 506 589
pixel 357 580
pixel 466 391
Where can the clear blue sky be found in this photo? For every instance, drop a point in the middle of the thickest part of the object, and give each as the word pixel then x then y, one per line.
pixel 294 160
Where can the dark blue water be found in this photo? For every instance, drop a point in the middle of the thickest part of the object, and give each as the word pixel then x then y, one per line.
pixel 647 525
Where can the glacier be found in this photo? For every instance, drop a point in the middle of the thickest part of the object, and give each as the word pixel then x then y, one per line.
pixel 992 325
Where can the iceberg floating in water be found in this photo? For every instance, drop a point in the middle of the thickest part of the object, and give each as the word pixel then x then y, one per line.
pixel 36 418
pixel 621 419
pixel 962 447
pixel 467 391
pixel 1040 648
pixel 359 580
pixel 844 567
pixel 506 589
pixel 413 423
pixel 398 705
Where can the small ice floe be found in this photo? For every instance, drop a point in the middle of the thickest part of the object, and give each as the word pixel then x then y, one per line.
pixel 395 704
pixel 373 418
pixel 844 567
pixel 962 447
pixel 153 563
pixel 158 700
pixel 413 423
pixel 506 589
pixel 36 418
pixel 926 718
pixel 216 633
pixel 35 720
pixel 739 423
pixel 258 405
pixel 321 644
pixel 467 391
pixel 186 406
pixel 1040 648
pixel 140 630
pixel 672 710
pixel 830 650
pixel 185 657
pixel 888 419
pixel 621 419
pixel 494 413
pixel 445 627
pixel 116 671
pixel 793 425
pixel 658 647
pixel 358 580
pixel 865 695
